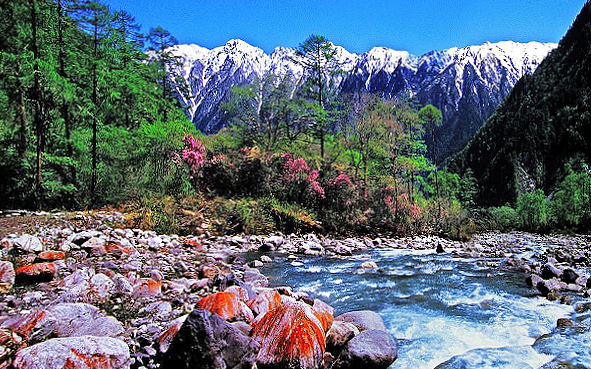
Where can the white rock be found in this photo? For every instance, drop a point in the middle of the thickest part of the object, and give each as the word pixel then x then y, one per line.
pixel 76 352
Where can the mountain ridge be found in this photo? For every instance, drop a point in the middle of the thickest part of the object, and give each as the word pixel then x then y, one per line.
pixel 467 84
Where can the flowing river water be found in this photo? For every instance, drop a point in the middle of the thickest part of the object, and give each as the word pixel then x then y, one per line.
pixel 441 306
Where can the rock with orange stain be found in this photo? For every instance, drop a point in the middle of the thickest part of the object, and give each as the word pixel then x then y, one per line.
pixel 40 272
pixel 238 291
pixel 324 313
pixel 119 250
pixel 51 255
pixel 37 323
pixel 7 276
pixel 290 337
pixel 265 301
pixel 193 244
pixel 227 305
pixel 165 339
pixel 85 352
pixel 209 271
pixel 146 287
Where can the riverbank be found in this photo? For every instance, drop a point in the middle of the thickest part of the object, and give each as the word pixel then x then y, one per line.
pixel 133 288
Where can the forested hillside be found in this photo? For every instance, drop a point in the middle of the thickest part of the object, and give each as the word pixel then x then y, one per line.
pixel 85 118
pixel 542 131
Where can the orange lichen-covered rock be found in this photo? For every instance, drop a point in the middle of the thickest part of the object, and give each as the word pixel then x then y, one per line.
pixel 265 301
pixel 290 337
pixel 118 250
pixel 324 313
pixel 238 291
pixel 51 255
pixel 146 287
pixel 227 305
pixel 193 244
pixel 165 339
pixel 37 272
pixel 26 325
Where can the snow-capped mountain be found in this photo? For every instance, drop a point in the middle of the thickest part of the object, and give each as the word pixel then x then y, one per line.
pixel 467 84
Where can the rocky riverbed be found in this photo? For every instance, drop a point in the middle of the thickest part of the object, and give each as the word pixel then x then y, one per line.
pixel 82 290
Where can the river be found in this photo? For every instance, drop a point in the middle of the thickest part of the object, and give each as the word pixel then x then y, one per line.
pixel 437 306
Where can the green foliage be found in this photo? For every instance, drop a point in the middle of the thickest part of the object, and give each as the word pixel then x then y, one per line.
pixel 531 209
pixel 85 119
pixel 571 204
pixel 503 218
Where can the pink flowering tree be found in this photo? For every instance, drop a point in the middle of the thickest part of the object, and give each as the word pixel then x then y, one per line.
pixel 298 182
pixel 193 153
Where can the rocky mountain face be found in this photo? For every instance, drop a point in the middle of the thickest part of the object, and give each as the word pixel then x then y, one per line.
pixel 543 126
pixel 465 84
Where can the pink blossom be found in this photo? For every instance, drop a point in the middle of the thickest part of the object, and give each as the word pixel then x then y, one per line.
pixel 317 188
pixel 193 153
pixel 341 179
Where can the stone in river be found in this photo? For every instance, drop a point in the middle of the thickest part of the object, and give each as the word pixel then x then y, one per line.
pixel 363 320
pixel 339 334
pixel 549 271
pixel 569 276
pixel 371 349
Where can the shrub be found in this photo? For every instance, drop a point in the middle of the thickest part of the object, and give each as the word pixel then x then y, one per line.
pixel 531 208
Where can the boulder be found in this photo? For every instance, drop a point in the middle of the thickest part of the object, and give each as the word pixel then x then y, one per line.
pixel 240 292
pixel 339 334
pixel 70 317
pixel 265 301
pixel 226 305
pixel 207 341
pixel 101 286
pixel 41 272
pixel 549 271
pixel 7 276
pixel 550 286
pixel 254 278
pixel 290 337
pixel 78 352
pixel 35 324
pixel 51 256
pixel 28 243
pixel 324 313
pixel 363 320
pixel 165 339
pixel 370 349
pixel 533 280
pixel 369 265
pixel 105 326
pixel 146 287
pixel 569 276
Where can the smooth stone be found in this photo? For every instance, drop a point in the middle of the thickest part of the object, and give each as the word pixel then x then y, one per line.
pixel 76 352
pixel 370 349
pixel 363 320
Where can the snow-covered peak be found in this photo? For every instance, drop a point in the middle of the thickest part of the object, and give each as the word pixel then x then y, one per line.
pixel 382 58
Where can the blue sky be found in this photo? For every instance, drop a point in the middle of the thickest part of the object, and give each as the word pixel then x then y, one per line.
pixel 417 26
